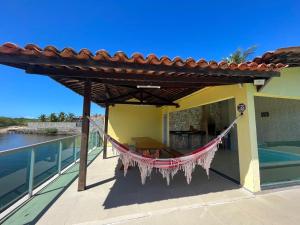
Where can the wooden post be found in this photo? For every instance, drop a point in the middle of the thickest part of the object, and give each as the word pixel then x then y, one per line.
pixel 105 131
pixel 84 136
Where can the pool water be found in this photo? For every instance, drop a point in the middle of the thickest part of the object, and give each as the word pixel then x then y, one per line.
pixel 279 163
pixel 269 156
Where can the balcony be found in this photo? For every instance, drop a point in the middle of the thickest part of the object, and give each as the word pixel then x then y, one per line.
pixel 110 197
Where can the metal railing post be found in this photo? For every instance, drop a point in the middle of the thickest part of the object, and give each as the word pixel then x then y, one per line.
pixel 59 157
pixel 93 140
pixel 97 138
pixel 74 150
pixel 31 172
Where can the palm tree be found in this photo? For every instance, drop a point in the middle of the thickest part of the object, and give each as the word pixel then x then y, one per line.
pixel 43 118
pixel 61 117
pixel 53 117
pixel 240 56
pixel 70 117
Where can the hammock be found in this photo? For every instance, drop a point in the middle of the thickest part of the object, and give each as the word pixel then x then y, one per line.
pixel 202 156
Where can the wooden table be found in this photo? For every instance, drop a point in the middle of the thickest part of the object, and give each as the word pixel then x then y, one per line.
pixel 147 143
pixel 155 148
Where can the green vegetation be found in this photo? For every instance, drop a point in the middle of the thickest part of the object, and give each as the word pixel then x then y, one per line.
pixel 240 55
pixel 6 121
pixel 43 118
pixel 53 117
pixel 60 117
pixel 50 131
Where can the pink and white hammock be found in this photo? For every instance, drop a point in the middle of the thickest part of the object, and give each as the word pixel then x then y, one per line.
pixel 168 167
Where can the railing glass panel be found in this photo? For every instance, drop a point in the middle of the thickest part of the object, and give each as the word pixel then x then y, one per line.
pixel 14 173
pixel 67 152
pixel 77 146
pixel 23 169
pixel 46 162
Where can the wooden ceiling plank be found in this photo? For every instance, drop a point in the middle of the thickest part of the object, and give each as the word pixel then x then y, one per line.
pixel 160 81
pixel 139 103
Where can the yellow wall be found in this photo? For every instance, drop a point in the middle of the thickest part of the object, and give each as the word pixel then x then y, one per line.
pixel 285 86
pixel 247 142
pixel 127 121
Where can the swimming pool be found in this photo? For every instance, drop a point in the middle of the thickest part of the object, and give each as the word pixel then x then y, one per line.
pixel 272 156
pixel 279 162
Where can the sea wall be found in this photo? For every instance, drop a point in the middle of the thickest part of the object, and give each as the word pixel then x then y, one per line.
pixel 59 127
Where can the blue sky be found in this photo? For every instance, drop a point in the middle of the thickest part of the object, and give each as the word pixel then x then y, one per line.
pixel 200 29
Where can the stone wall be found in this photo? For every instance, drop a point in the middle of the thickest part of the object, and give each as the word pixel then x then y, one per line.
pixel 62 127
pixel 217 115
pixel 182 120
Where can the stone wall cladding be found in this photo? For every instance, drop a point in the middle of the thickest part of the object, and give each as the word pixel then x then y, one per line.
pixel 219 113
pixel 57 125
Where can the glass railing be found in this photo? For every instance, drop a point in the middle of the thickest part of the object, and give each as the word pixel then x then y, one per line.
pixel 279 163
pixel 24 169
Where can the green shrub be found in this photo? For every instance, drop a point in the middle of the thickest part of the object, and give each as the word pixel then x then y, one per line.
pixel 51 131
pixel 6 121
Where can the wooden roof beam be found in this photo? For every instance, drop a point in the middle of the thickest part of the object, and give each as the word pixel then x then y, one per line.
pixel 136 79
pixel 140 103
pixel 222 74
pixel 121 96
pixel 157 97
pixel 133 84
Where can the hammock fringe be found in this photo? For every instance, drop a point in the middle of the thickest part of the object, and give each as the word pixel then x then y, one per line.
pixel 168 167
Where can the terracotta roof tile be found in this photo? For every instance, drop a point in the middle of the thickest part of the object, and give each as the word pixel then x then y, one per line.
pixel 258 64
pixel 289 56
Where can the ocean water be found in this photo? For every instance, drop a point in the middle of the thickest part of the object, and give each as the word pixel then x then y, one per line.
pixel 9 141
pixel 14 166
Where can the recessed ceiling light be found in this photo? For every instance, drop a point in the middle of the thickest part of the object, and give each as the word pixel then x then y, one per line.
pixel 147 86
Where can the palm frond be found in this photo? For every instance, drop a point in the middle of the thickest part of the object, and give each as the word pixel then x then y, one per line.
pixel 240 56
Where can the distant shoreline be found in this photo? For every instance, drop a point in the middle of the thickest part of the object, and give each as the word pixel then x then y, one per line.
pixel 5 130
pixel 40 131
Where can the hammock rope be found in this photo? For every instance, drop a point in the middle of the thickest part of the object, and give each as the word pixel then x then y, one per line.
pixel 168 167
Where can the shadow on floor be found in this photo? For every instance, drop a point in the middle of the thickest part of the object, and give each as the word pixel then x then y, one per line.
pixel 129 190
pixel 100 183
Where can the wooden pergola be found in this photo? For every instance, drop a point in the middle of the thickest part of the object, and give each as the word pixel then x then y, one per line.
pixel 108 80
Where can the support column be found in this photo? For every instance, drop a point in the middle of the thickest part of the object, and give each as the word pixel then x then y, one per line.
pixel 247 141
pixel 84 136
pixel 105 131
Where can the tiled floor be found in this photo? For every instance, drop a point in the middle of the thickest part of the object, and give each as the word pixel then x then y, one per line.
pixel 113 197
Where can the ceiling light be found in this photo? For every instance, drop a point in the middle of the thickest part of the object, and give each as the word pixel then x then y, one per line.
pixel 259 82
pixel 147 86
